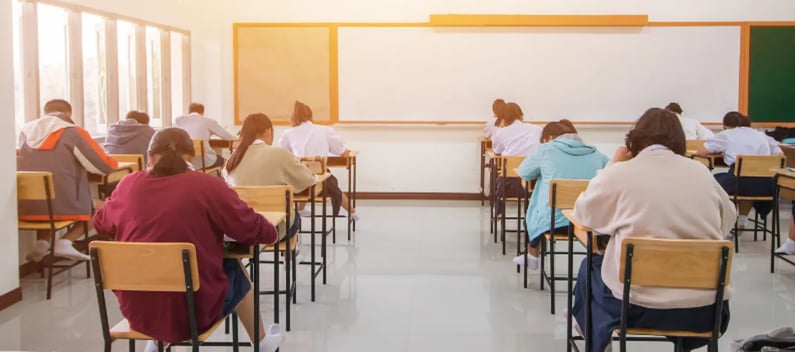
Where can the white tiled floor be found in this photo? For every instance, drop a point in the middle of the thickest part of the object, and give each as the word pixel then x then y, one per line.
pixel 420 276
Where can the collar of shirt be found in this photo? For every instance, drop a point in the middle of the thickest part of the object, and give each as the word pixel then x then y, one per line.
pixel 194 114
pixel 257 142
pixel 655 147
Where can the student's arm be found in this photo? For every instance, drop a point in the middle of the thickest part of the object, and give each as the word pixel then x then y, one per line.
pixel 335 145
pixel 530 168
pixel 596 206
pixel 703 132
pixel 296 174
pixel 218 130
pixel 235 218
pixel 775 149
pixel 284 142
pixel 714 144
pixel 106 216
pixel 497 144
pixel 488 131
pixel 89 153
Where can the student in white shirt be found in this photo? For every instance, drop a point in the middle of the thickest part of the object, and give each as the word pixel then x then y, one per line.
pixel 738 138
pixel 693 129
pixel 200 127
pixel 495 122
pixel 305 139
pixel 651 191
pixel 515 138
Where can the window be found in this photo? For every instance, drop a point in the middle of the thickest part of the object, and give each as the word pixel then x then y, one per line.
pixel 126 47
pixel 95 74
pixel 53 58
pixel 153 77
pixel 177 108
pixel 19 93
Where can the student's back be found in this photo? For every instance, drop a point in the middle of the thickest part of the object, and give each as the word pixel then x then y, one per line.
pixel 200 127
pixel 515 137
pixel 308 139
pixel 741 141
pixel 129 136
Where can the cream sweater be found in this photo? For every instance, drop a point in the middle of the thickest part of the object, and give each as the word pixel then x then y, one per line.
pixel 662 195
pixel 264 165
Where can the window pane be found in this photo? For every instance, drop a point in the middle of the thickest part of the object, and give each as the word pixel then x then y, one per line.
pixel 176 75
pixel 153 57
pixel 126 31
pixel 53 64
pixel 94 74
pixel 19 93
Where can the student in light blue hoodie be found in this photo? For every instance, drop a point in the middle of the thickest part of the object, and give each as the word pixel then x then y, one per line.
pixel 562 154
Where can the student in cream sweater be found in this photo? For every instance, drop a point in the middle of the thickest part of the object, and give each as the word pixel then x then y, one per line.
pixel 651 190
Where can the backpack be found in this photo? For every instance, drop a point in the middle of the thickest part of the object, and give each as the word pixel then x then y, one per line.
pixel 782 338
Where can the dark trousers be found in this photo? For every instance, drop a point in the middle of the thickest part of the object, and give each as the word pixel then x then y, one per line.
pixel 331 188
pixel 606 313
pixel 749 186
pixel 508 187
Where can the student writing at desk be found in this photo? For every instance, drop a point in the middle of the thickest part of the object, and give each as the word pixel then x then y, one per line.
pixel 130 136
pixel 693 129
pixel 171 203
pixel 738 138
pixel 200 127
pixel 69 153
pixel 495 122
pixel 651 191
pixel 305 139
pixel 515 138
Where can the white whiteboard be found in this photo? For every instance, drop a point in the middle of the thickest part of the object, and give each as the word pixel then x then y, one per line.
pixel 584 74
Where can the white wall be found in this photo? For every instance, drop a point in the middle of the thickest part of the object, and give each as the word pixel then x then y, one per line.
pixel 9 271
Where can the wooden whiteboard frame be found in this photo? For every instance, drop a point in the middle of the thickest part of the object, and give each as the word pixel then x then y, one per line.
pixel 508 20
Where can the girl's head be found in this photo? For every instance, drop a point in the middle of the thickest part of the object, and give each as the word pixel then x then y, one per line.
pixel 656 126
pixel 555 129
pixel 734 119
pixel 511 113
pixel 170 151
pixel 301 113
pixel 674 108
pixel 255 126
pixel 498 106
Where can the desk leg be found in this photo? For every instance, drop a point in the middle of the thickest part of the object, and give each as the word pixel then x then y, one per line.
pixel 275 282
pixel 570 291
pixel 255 279
pixel 312 242
pixel 482 174
pixel 355 174
pixel 350 202
pixel 588 322
pixel 323 236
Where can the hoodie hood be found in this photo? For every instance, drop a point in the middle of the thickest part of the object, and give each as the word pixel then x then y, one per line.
pixel 36 133
pixel 571 144
pixel 127 131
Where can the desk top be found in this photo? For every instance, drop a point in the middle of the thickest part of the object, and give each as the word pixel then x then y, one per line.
pixel 273 217
pixel 234 250
pixel 580 231
pixel 123 169
pixel 304 196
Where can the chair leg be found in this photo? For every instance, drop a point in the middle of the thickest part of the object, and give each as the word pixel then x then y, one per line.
pixel 541 256
pixel 88 262
pixel 107 346
pixel 764 228
pixel 552 274
pixel 288 285
pixel 736 238
pixel 756 225
pixel 131 345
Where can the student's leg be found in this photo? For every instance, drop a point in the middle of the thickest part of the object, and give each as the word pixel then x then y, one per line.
pixel 240 298
pixel 788 247
pixel 698 319
pixel 605 309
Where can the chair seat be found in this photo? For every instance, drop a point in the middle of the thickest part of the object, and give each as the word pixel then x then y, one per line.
pixel 558 236
pixel 210 170
pixel 765 198
pixel 44 225
pixel 282 245
pixel 122 330
pixel 653 332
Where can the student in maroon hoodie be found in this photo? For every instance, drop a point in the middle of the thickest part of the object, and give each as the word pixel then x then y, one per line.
pixel 171 203
pixel 130 136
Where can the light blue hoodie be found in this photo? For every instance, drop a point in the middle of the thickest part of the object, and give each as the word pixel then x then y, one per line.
pixel 564 157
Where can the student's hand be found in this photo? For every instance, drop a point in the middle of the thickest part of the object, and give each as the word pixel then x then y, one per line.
pixel 98 203
pixel 622 154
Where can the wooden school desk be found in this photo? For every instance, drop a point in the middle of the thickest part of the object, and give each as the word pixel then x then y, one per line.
pixel 252 253
pixel 584 235
pixel 485 146
pixel 348 163
pixel 710 160
pixel 310 196
pixel 123 169
pixel 218 144
pixel 785 188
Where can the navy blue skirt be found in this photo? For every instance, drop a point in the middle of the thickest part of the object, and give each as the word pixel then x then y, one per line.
pixel 750 186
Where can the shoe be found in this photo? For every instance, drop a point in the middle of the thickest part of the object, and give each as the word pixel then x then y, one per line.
pixel 273 339
pixel 532 262
pixel 151 346
pixel 40 249
pixel 355 216
pixel 64 248
pixel 306 212
pixel 787 248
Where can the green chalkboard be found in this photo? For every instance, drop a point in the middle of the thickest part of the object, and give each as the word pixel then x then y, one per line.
pixel 771 84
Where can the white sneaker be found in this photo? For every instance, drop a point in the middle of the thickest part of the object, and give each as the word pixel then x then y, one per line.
pixel 40 249
pixel 743 223
pixel 787 248
pixel 355 216
pixel 64 248
pixel 151 346
pixel 273 339
pixel 532 262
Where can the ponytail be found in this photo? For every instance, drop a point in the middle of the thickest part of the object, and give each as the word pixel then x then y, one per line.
pixel 171 144
pixel 498 107
pixel 253 125
pixel 170 163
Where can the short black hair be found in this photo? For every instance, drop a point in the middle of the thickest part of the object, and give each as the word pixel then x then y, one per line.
pixel 735 119
pixel 657 126
pixel 197 108
pixel 674 107
pixel 57 105
pixel 139 116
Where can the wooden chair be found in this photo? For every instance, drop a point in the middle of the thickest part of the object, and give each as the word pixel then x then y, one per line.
pixel 694 144
pixel 508 166
pixel 138 159
pixel 319 165
pixel 666 263
pixel 159 267
pixel 747 166
pixel 785 189
pixel 38 186
pixel 277 199
pixel 199 146
pixel 562 195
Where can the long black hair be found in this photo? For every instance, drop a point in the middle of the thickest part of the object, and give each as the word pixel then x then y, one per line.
pixel 171 144
pixel 253 125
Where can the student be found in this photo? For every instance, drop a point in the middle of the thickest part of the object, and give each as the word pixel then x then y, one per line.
pixel 200 127
pixel 305 139
pixel 130 136
pixel 171 203
pixel 651 191
pixel 496 107
pixel 69 153
pixel 738 138
pixel 562 154
pixel 256 163
pixel 693 129
pixel 515 138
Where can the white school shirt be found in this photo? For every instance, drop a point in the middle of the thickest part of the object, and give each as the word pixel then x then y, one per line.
pixel 200 127
pixel 741 141
pixel 518 138
pixel 308 139
pixel 488 131
pixel 694 129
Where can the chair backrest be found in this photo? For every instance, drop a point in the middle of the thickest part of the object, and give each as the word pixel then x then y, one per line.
pixel 198 147
pixel 144 266
pixel 675 263
pixel 267 198
pixel 316 164
pixel 138 159
pixel 757 165
pixel 694 144
pixel 35 185
pixel 510 163
pixel 706 161
pixel 789 153
pixel 564 192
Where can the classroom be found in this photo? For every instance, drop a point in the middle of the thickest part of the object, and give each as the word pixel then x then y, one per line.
pixel 441 175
